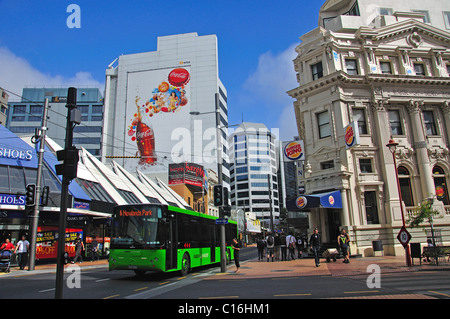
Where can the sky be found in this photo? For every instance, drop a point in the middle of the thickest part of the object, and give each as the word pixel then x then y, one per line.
pixel 256 46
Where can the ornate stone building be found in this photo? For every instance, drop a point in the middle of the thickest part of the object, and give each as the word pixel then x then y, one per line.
pixel 385 65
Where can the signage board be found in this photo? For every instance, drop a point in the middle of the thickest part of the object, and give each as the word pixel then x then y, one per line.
pixel 351 135
pixel 293 151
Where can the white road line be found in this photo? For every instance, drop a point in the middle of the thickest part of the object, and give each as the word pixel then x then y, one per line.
pixel 47 290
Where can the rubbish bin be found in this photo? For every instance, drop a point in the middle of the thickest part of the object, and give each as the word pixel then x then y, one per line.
pixel 377 245
pixel 416 252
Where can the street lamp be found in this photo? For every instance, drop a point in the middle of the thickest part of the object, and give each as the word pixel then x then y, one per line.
pixel 392 145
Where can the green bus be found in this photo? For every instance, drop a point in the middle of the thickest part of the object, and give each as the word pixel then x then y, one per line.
pixel 155 237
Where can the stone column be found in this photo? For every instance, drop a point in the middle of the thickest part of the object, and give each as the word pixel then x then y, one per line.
pixel 445 107
pixel 420 145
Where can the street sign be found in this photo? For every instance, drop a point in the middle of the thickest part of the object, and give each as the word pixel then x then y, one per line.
pixel 221 221
pixel 404 236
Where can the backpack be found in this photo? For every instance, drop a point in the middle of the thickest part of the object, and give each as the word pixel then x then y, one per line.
pixel 269 240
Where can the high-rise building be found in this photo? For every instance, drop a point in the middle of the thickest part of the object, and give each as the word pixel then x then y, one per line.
pixel 26 115
pixel 385 67
pixel 160 107
pixel 253 171
pixel 3 106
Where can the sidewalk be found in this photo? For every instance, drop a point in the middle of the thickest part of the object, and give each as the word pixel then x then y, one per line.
pixel 306 267
pixel 50 268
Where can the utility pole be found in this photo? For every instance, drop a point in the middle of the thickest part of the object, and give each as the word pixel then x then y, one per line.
pixel 39 137
pixel 270 202
pixel 69 171
pixel 223 255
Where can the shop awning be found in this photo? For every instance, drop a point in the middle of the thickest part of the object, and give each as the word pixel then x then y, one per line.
pixel 324 200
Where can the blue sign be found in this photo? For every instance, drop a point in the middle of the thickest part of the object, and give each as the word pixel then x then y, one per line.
pixel 221 221
pixel 8 199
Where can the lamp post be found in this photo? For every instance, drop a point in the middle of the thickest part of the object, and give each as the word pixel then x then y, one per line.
pixel 392 145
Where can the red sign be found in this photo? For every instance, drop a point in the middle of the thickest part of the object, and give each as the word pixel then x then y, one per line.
pixel 47 241
pixel 186 173
pixel 404 236
pixel 179 77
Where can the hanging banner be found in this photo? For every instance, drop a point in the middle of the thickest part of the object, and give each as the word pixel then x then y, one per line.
pixel 293 151
pixel 351 135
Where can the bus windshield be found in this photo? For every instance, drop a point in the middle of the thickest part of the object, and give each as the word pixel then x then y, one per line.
pixel 137 227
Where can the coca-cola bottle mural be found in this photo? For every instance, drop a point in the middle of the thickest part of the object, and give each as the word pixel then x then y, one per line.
pixel 168 97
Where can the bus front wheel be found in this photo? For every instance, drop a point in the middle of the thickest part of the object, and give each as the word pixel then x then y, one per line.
pixel 185 264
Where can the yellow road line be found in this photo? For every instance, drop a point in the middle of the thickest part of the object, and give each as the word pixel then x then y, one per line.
pixel 360 292
pixel 163 283
pixel 111 296
pixel 221 297
pixel 141 288
pixel 291 295
pixel 439 293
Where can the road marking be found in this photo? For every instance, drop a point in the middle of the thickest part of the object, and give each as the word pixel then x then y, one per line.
pixel 181 278
pixel 47 290
pixel 360 292
pixel 291 295
pixel 100 280
pixel 163 283
pixel 140 288
pixel 439 293
pixel 219 297
pixel 111 297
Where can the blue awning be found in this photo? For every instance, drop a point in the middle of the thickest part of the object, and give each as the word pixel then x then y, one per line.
pixel 325 200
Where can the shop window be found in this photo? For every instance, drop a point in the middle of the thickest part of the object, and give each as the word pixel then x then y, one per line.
pixel 440 184
pixel 370 202
pixel 405 186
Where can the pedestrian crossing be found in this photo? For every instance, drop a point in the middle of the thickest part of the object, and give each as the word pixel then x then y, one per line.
pixel 430 283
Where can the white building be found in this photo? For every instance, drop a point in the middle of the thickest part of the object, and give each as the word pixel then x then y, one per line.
pixel 386 65
pixel 161 106
pixel 253 163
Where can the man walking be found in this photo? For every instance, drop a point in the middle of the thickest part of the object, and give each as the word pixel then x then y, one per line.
pixel 314 241
pixel 22 251
pixel 290 242
pixel 270 244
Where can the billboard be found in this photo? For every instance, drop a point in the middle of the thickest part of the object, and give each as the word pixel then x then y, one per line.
pixel 158 101
pixel 186 173
pixel 351 135
pixel 293 151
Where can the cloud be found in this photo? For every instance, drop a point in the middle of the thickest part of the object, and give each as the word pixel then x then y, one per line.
pixel 274 75
pixel 267 86
pixel 18 73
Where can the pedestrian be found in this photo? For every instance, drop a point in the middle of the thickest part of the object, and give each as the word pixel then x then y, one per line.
pixel 314 242
pixel 290 243
pixel 270 245
pixel 299 244
pixel 261 246
pixel 79 247
pixel 283 247
pixel 276 247
pixel 237 245
pixel 344 241
pixel 22 251
pixel 95 249
pixel 7 245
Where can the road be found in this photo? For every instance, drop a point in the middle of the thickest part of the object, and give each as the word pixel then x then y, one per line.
pixel 99 283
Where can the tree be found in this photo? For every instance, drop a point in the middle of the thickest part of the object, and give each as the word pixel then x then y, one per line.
pixel 424 212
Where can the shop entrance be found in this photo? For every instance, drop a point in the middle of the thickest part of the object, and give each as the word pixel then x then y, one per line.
pixel 334 224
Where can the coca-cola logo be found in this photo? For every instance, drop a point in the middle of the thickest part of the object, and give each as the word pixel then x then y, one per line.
pixel 179 77
pixel 146 133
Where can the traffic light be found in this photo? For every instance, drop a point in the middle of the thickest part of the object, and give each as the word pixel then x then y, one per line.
pixel 44 196
pixel 218 195
pixel 225 196
pixel 70 159
pixel 226 210
pixel 30 196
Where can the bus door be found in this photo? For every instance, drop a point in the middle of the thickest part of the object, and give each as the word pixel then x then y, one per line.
pixel 171 244
pixel 212 237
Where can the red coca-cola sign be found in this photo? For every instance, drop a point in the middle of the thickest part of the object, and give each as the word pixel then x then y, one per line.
pixel 179 77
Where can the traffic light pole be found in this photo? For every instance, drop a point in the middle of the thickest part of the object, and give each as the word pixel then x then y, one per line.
pixel 71 104
pixel 35 216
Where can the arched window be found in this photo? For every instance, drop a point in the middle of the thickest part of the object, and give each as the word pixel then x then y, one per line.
pixel 440 184
pixel 405 186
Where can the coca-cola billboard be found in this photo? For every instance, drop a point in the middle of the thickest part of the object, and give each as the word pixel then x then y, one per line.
pixel 157 103
pixel 186 173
